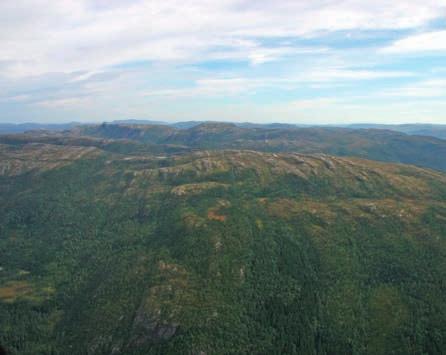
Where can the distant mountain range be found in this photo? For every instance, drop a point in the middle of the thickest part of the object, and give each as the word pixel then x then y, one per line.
pixel 433 130
pixel 369 143
pixel 31 126
pixel 376 144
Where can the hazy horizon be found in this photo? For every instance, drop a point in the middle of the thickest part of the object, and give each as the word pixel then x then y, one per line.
pixel 172 122
pixel 319 62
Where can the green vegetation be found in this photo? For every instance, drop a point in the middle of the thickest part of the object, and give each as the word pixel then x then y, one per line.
pixel 157 250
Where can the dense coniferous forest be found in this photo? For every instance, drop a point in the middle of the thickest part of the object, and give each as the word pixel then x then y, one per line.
pixel 129 240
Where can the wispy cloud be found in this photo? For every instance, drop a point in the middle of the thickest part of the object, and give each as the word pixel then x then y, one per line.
pixel 349 74
pixel 117 57
pixel 244 85
pixel 64 103
pixel 430 41
pixel 425 89
pixel 43 35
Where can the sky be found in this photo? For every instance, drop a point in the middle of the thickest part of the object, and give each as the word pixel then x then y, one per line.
pixel 295 61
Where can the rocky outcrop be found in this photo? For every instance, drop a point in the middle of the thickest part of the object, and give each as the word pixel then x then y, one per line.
pixel 148 327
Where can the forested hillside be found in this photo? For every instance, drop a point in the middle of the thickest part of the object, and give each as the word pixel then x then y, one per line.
pixel 125 247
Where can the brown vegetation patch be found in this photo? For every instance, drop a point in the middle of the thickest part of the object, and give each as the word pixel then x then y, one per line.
pixel 15 289
pixel 212 215
pixel 21 289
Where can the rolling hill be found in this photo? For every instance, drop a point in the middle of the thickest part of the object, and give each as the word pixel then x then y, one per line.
pixel 433 130
pixel 375 144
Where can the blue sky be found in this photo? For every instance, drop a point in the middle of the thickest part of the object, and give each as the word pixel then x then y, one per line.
pixel 318 61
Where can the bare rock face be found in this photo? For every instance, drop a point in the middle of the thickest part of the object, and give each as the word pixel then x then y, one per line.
pixel 157 317
pixel 149 328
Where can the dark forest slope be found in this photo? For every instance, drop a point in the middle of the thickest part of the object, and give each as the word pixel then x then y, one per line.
pixel 242 252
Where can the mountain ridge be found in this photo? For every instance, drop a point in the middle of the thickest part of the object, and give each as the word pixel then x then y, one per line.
pixel 385 145
pixel 422 129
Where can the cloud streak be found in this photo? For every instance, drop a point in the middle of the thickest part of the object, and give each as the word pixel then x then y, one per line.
pixel 424 42
pixel 43 36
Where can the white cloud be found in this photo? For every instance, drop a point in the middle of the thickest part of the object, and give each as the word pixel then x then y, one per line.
pixel 41 36
pixel 15 98
pixel 424 42
pixel 236 86
pixel 212 87
pixel 64 103
pixel 316 103
pixel 348 74
pixel 424 89
pixel 76 55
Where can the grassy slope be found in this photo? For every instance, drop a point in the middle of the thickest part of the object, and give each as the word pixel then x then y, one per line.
pixel 219 252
